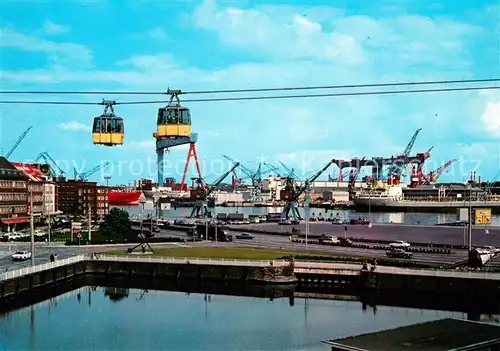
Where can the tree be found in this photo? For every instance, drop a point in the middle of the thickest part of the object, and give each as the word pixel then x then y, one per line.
pixel 117 226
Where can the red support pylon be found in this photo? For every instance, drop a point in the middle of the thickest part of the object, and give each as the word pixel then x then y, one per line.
pixel 191 153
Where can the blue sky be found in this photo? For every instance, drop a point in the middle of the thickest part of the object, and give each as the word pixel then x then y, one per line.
pixel 128 45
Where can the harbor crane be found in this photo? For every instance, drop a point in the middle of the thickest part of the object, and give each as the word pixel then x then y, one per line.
pixel 291 173
pixel 256 178
pixel 84 176
pixel 52 164
pixel 292 193
pixel 354 173
pixel 201 194
pixel 396 168
pixel 21 138
pixel 433 176
pixel 418 177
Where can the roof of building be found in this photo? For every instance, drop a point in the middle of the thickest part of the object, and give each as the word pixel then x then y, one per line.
pixel 442 335
pixel 32 172
pixel 9 172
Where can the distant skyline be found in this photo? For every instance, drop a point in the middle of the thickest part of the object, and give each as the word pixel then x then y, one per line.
pixel 206 45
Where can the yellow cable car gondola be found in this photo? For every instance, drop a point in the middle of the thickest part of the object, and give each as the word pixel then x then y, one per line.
pixel 174 120
pixel 108 129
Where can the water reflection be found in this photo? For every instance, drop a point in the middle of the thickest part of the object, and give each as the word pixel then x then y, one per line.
pixel 116 294
pixel 278 319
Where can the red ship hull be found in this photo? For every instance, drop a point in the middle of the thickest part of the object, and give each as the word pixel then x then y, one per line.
pixel 126 198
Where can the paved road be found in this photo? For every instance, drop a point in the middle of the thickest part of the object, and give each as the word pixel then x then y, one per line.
pixel 415 233
pixel 43 250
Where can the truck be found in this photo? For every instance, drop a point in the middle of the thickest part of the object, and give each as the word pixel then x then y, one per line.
pixel 222 233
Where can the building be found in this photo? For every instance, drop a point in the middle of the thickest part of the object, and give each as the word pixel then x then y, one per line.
pixel 13 194
pixel 50 199
pixel 222 197
pixel 76 197
pixel 40 187
pixel 145 184
pixel 102 201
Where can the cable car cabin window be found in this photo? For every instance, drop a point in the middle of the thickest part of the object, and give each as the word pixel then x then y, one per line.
pixel 119 126
pixel 161 116
pixel 185 116
pixel 173 116
pixel 97 124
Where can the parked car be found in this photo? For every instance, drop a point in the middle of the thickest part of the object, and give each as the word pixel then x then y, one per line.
pixel 21 255
pixel 244 236
pixel 399 244
pixel 399 253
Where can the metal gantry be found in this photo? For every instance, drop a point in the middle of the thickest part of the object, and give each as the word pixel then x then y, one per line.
pixel 293 192
pixel 201 194
pixel 255 176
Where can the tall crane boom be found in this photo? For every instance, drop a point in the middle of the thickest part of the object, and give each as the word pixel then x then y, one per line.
pixel 396 169
pixel 433 176
pixel 200 208
pixel 86 175
pixel 411 143
pixel 256 178
pixel 293 194
pixel 50 161
pixel 21 138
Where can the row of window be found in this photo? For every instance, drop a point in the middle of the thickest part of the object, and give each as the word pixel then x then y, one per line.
pixel 106 124
pixel 13 184
pixel 14 197
pixel 174 115
pixel 9 172
pixel 13 209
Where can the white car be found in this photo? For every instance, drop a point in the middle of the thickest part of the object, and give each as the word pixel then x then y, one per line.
pixel 400 244
pixel 21 255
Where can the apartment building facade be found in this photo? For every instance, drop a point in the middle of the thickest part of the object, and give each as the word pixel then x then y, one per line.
pixel 13 194
pixel 77 197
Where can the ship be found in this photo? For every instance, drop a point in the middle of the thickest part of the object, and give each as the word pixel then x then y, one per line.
pixel 398 198
pixel 126 198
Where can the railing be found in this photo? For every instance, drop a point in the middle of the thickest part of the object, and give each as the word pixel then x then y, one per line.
pixel 41 267
pixel 193 260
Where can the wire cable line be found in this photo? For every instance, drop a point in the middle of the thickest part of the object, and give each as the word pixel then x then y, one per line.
pixel 274 97
pixel 253 90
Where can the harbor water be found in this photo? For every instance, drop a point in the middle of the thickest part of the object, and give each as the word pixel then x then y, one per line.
pixel 94 318
pixel 376 217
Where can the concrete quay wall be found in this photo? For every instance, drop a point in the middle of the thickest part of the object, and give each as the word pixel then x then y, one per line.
pixel 438 284
pixel 303 273
pixel 30 281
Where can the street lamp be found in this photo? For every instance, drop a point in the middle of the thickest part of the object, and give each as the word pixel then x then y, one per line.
pixel 369 208
pixel 32 225
pixel 469 186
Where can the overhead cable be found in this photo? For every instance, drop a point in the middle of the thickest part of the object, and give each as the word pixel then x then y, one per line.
pixel 275 97
pixel 254 90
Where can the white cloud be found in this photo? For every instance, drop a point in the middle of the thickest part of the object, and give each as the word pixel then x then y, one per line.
pixel 491 117
pixel 299 37
pixel 73 126
pixel 50 27
pixel 300 46
pixel 58 53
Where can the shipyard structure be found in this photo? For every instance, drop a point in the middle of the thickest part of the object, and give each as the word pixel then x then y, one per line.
pixel 364 184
